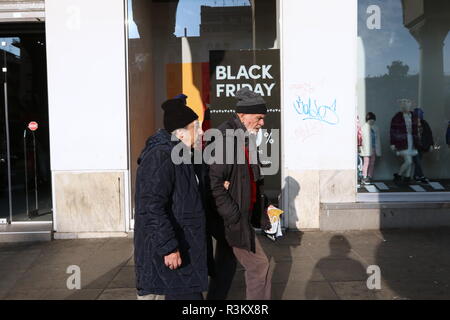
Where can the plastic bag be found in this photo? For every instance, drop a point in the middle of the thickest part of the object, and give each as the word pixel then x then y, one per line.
pixel 275 220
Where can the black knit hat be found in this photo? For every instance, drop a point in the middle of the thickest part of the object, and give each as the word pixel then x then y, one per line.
pixel 177 115
pixel 250 102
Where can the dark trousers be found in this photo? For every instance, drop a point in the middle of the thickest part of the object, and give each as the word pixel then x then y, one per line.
pixel 185 296
pixel 418 172
pixel 225 268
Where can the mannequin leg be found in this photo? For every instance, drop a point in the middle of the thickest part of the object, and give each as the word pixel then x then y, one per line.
pixel 410 169
pixel 405 169
pixel 360 167
pixel 366 166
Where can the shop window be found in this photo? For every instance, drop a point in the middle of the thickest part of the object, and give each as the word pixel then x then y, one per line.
pixel 403 96
pixel 172 46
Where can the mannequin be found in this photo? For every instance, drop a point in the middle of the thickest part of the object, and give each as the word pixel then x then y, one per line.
pixel 359 144
pixel 404 139
pixel 447 137
pixel 370 148
pixel 426 144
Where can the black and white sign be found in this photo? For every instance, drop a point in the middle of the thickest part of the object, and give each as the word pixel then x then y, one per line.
pixel 258 70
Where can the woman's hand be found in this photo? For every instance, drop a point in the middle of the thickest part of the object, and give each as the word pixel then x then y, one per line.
pixel 173 260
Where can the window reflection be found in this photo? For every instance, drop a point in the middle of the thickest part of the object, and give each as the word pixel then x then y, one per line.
pixel 405 83
pixel 199 17
pixel 169 53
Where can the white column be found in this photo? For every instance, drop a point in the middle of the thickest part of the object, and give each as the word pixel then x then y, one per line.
pixel 319 60
pixel 88 114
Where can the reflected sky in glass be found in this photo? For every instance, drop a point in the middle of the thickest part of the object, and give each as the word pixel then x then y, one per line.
pixel 188 14
pixel 133 32
pixel 10 46
pixel 392 42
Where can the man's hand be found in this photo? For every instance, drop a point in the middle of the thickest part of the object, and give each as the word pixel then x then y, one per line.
pixel 226 185
pixel 173 260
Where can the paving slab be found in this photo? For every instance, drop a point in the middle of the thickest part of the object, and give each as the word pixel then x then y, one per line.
pixel 342 270
pixel 25 294
pixel 311 290
pixel 66 294
pixel 98 278
pixel 418 290
pixel 118 294
pixel 130 262
pixel 18 261
pixel 354 290
pixel 42 277
pixel 296 271
pixel 125 278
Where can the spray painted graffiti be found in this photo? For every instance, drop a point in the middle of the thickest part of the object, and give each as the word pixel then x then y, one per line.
pixel 310 109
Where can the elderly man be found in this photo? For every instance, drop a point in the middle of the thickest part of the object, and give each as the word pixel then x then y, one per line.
pixel 237 191
pixel 170 241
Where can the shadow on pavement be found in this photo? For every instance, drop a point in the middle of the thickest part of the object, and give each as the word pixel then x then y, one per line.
pixel 415 264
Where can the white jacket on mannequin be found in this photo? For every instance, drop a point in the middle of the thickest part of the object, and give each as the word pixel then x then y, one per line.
pixel 366 148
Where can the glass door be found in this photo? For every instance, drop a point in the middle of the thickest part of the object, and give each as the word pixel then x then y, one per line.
pixel 5 157
pixel 24 138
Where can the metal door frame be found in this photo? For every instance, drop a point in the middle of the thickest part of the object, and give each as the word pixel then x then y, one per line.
pixel 20 13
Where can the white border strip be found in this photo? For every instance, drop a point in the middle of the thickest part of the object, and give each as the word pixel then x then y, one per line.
pixel 404 197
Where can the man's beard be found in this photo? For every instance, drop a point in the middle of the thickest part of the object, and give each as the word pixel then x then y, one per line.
pixel 197 145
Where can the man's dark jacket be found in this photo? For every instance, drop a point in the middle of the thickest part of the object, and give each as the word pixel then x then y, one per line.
pixel 233 205
pixel 169 215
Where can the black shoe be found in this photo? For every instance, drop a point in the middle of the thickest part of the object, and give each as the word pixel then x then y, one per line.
pixel 424 180
pixel 397 178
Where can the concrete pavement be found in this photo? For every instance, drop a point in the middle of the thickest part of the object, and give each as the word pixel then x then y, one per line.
pixel 414 264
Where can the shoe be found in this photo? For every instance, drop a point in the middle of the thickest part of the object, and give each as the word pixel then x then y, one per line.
pixel 421 179
pixel 366 181
pixel 424 180
pixel 397 178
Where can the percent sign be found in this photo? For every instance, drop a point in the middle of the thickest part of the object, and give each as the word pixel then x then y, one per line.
pixel 268 137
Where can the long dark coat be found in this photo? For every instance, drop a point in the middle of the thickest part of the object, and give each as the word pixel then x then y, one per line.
pixel 169 215
pixel 233 205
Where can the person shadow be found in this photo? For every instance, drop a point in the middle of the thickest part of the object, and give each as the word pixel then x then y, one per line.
pixel 282 252
pixel 344 277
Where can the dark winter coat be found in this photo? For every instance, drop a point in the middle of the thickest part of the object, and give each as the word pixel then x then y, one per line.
pixel 169 215
pixel 398 131
pixel 201 170
pixel 233 205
